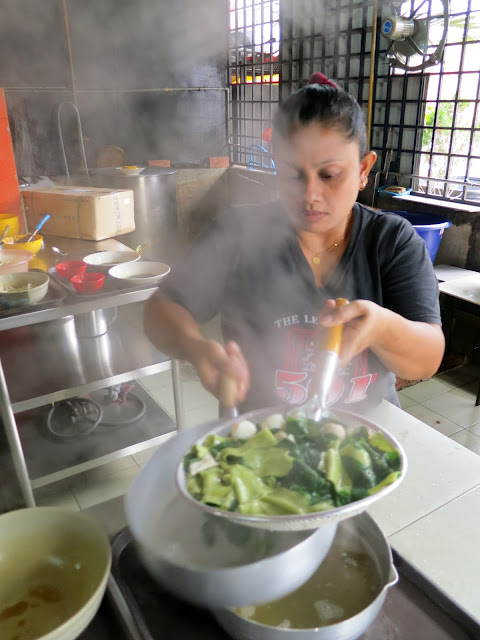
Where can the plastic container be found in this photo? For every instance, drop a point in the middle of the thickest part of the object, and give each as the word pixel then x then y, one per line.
pixel 14 260
pixel 88 282
pixel 18 242
pixel 429 226
pixel 12 221
pixel 70 268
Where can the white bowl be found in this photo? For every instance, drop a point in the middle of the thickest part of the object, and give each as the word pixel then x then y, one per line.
pixel 107 259
pixel 140 272
pixel 54 565
pixel 132 171
pixel 37 281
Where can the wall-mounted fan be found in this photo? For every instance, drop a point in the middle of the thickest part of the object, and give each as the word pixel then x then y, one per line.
pixel 417 31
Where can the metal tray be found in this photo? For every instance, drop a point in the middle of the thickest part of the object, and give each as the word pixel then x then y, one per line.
pixel 111 285
pixel 55 297
pixel 414 608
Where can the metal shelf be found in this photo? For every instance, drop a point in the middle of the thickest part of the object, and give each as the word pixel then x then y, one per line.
pixel 48 362
pixel 76 306
pixel 50 459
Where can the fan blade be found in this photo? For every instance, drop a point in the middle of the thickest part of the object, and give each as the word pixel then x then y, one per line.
pixel 415 11
pixel 389 48
pixel 416 48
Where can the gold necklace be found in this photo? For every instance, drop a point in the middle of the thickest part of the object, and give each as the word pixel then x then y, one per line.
pixel 316 258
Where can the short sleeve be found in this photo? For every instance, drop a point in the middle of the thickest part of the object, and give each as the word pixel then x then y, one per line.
pixel 200 273
pixel 409 284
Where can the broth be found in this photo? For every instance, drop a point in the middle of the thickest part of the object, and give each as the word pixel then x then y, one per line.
pixel 346 582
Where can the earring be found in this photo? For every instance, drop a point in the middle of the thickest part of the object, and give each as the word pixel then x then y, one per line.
pixel 364 184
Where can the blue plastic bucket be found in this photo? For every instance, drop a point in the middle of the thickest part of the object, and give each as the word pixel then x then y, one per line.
pixel 429 226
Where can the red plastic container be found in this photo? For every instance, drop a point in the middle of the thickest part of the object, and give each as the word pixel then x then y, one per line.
pixel 70 268
pixel 88 282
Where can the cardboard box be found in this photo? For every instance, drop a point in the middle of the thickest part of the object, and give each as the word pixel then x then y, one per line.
pixel 88 213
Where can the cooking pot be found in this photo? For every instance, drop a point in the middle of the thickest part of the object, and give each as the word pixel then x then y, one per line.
pixel 356 533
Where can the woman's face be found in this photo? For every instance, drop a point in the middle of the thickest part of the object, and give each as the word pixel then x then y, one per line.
pixel 320 173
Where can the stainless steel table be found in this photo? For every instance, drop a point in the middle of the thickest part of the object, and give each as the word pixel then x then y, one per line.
pixel 43 360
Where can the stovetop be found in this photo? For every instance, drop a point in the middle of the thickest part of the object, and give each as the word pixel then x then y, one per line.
pixel 414 609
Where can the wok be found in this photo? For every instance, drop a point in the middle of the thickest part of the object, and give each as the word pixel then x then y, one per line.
pixel 192 554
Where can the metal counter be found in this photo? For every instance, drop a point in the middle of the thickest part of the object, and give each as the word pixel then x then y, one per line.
pixel 43 359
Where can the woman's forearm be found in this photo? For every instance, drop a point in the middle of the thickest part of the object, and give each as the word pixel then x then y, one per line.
pixel 171 328
pixel 411 350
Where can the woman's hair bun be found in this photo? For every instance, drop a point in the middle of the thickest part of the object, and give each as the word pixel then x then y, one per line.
pixel 319 78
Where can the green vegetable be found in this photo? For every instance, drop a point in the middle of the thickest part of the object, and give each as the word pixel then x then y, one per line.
pixel 310 472
pixel 338 476
pixel 385 482
pixel 358 465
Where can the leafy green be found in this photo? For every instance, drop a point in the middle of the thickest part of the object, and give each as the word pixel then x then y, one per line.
pixel 307 471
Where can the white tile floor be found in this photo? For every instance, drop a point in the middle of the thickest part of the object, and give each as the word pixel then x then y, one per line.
pixel 446 403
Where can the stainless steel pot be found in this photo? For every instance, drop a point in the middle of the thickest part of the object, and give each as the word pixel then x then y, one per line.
pixel 363 528
pixel 155 203
pixel 173 541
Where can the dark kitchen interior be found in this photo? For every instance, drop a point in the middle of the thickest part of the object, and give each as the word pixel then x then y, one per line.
pixel 174 101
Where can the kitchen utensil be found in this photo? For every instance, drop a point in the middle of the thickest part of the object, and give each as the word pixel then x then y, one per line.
pixel 21 242
pixel 303 521
pixel 359 535
pixel 21 295
pixel 14 260
pixel 326 359
pixel 59 251
pixel 137 273
pixel 55 566
pixel 105 260
pixel 88 282
pixel 39 226
pixel 4 233
pixel 140 249
pixel 70 268
pixel 94 323
pixel 198 558
pixel 12 221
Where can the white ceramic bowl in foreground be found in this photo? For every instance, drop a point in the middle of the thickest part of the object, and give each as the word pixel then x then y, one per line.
pixel 108 259
pixel 54 565
pixel 140 272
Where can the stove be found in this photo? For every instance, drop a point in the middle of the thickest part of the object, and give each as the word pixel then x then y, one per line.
pixel 414 609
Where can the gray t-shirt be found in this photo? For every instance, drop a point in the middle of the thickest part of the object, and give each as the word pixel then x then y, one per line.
pixel 250 268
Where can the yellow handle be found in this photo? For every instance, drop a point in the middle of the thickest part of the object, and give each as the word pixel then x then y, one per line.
pixel 331 339
pixel 228 391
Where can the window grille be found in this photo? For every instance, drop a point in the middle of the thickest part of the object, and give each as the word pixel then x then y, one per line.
pixel 424 126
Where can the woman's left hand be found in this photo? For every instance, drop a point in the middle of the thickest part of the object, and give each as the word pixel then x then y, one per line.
pixel 411 350
pixel 361 320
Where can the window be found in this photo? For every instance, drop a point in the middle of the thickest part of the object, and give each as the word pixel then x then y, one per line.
pixel 428 122
pixel 254 76
pixel 450 137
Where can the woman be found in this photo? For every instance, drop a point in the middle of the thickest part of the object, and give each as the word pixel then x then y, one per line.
pixel 272 272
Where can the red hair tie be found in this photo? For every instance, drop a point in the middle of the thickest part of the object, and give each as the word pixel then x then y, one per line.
pixel 319 78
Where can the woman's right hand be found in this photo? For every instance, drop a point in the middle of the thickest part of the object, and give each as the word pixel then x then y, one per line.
pixel 213 360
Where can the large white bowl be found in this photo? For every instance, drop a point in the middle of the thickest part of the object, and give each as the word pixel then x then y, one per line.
pixel 140 272
pixel 54 565
pixel 37 281
pixel 105 260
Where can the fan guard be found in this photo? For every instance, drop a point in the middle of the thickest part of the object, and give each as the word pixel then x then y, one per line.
pixel 417 32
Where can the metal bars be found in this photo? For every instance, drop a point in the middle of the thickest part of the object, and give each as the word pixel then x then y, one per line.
pixel 435 112
pixel 254 73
